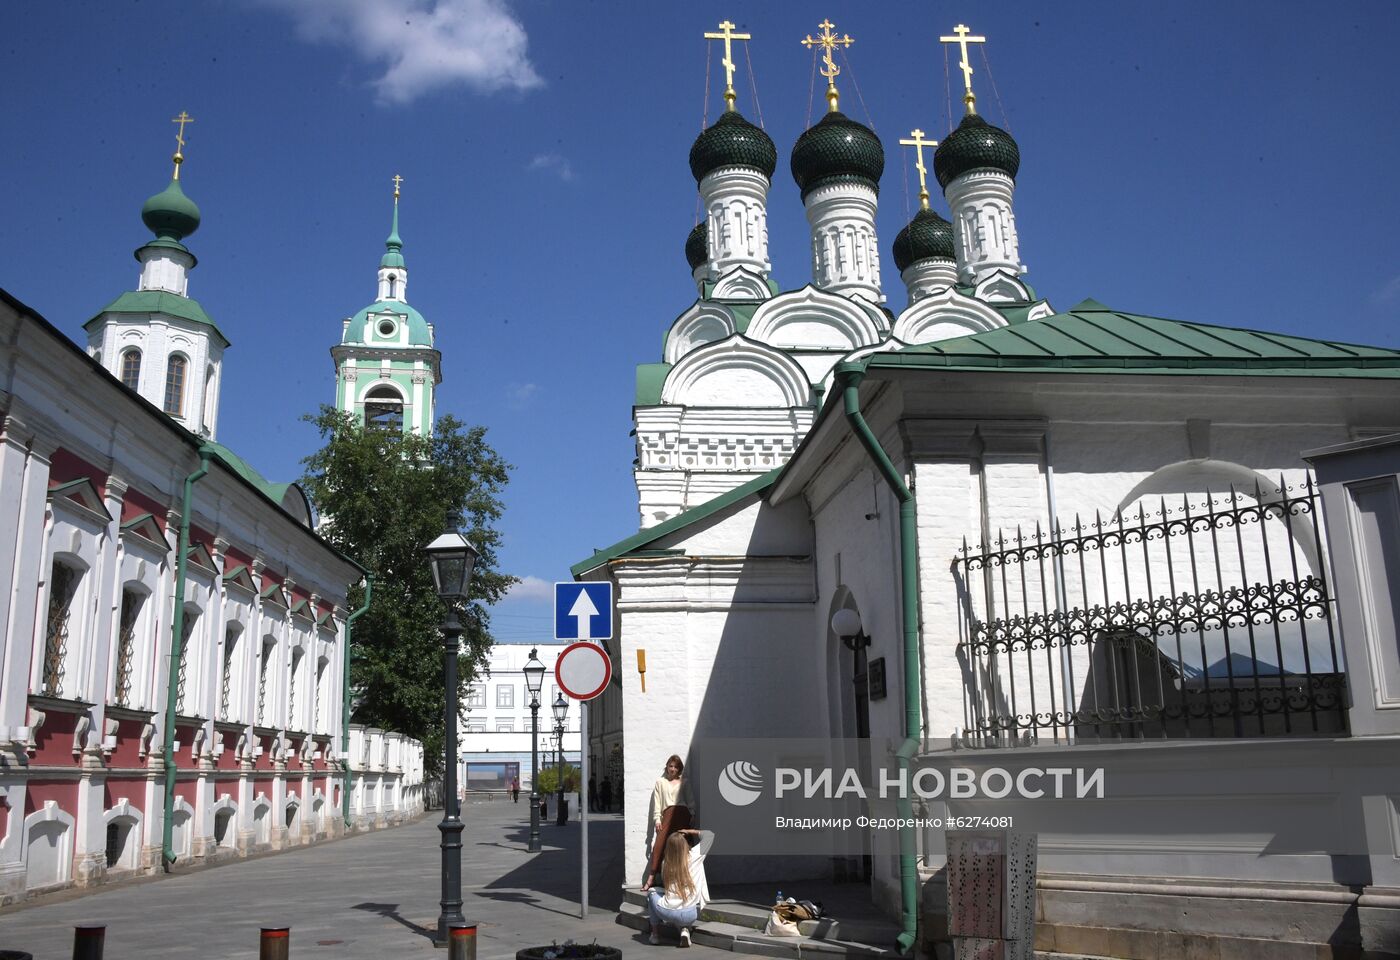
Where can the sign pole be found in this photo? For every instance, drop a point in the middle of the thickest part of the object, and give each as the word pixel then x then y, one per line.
pixel 583 792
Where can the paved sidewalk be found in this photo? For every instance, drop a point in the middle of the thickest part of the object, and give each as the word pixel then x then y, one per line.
pixel 369 896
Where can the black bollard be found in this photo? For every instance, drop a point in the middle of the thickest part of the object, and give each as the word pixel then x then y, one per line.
pixel 461 941
pixel 275 943
pixel 88 940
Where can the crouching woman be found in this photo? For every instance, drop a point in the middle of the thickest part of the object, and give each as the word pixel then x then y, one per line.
pixel 684 892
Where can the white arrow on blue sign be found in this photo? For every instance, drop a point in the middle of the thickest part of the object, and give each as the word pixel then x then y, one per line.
pixel 583 611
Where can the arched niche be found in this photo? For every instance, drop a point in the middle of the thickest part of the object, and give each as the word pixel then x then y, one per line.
pixel 945 315
pixel 811 319
pixel 703 322
pixel 741 283
pixel 737 372
pixel 1001 287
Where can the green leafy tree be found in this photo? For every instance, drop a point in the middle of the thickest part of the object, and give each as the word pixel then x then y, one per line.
pixel 383 496
pixel 549 779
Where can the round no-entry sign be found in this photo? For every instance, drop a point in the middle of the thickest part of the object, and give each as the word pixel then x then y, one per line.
pixel 583 670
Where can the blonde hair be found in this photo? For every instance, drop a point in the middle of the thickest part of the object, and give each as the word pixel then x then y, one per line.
pixel 675 869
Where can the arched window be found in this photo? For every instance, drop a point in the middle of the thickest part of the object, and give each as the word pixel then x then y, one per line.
pixel 131 368
pixel 175 385
pixel 393 286
pixel 384 408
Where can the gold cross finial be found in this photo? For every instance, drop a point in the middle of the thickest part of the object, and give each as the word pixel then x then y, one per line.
pixel 179 157
pixel 918 143
pixel 829 41
pixel 727 34
pixel 397 180
pixel 962 39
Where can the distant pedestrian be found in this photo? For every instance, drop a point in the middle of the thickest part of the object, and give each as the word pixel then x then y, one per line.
pixel 605 795
pixel 515 790
pixel 592 793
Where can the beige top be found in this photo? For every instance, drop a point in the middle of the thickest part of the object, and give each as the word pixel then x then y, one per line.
pixel 665 793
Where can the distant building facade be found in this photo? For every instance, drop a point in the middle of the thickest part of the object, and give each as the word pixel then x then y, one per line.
pixel 495 741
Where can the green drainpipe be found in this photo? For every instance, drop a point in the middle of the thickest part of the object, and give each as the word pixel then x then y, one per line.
pixel 177 633
pixel 849 376
pixel 345 701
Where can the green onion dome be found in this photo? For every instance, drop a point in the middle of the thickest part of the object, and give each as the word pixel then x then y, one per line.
pixel 697 246
pixel 927 236
pixel 837 149
pixel 975 145
pixel 731 141
pixel 170 215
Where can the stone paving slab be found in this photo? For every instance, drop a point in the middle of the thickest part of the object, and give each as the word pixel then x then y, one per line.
pixel 370 896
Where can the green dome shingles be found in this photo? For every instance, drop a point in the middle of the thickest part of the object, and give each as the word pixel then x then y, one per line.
pixel 837 149
pixel 975 145
pixel 697 246
pixel 358 331
pixel 927 236
pixel 171 215
pixel 731 141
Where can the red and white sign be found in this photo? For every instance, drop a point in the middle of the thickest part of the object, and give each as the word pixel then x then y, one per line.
pixel 583 670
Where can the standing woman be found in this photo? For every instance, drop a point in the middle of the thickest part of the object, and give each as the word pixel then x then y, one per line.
pixel 683 892
pixel 669 812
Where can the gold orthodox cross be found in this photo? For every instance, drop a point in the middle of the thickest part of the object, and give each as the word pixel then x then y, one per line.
pixel 918 143
pixel 397 180
pixel 962 39
pixel 829 41
pixel 727 34
pixel 179 157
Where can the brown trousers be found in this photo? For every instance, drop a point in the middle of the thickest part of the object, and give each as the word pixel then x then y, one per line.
pixel 672 819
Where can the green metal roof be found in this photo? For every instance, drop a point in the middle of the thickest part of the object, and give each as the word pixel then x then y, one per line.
pixel 160 301
pixel 651 377
pixel 276 492
pixel 357 332
pixel 635 544
pixel 1092 338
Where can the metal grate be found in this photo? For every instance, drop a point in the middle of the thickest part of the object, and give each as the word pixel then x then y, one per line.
pixel 262 683
pixel 186 631
pixel 226 682
pixel 61 587
pixel 126 646
pixel 1199 620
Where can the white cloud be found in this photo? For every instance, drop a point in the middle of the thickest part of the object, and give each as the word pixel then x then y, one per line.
pixel 531 588
pixel 519 395
pixel 423 45
pixel 1387 293
pixel 553 163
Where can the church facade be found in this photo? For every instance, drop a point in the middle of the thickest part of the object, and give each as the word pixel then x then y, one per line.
pixel 159 707
pixel 979 525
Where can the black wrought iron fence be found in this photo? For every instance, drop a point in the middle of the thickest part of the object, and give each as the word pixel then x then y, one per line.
pixel 1204 619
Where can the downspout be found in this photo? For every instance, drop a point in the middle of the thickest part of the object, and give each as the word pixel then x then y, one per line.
pixel 345 702
pixel 177 634
pixel 849 376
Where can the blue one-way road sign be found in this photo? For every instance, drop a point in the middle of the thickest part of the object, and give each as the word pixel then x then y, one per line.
pixel 583 611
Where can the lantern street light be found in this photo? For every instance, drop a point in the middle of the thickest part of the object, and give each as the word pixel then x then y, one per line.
pixel 534 680
pixel 561 713
pixel 452 560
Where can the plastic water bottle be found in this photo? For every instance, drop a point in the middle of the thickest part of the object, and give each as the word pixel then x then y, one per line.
pixel 780 897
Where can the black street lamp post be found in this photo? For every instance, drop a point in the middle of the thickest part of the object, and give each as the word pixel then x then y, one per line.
pixel 452 559
pixel 534 680
pixel 561 711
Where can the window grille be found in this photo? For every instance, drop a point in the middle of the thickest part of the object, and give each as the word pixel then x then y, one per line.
pixel 262 682
pixel 175 386
pixel 226 686
pixel 61 587
pixel 292 690
pixel 126 646
pixel 131 369
pixel 185 633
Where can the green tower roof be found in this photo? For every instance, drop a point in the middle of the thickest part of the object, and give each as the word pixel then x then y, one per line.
pixel 393 246
pixel 697 245
pixel 358 331
pixel 927 236
pixel 171 215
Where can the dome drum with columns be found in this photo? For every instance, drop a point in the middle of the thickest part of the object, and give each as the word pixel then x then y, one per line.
pixel 387 369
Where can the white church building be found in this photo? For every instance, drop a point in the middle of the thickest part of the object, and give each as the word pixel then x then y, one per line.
pixel 157 707
pixel 1069 525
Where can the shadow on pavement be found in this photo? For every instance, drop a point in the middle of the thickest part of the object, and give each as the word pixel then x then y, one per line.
pixel 391 910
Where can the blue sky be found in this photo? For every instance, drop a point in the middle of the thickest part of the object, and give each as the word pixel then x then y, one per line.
pixel 1199 161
